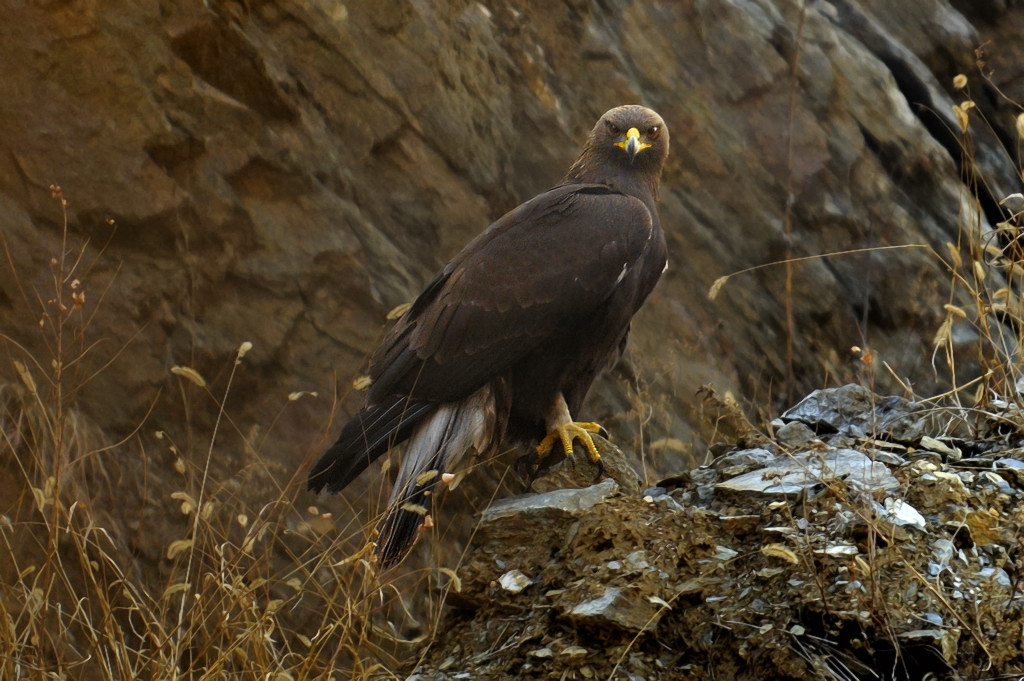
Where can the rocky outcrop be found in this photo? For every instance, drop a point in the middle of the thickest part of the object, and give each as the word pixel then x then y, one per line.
pixel 871 537
pixel 286 173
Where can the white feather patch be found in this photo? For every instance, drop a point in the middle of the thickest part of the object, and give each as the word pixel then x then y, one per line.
pixel 622 274
pixel 440 443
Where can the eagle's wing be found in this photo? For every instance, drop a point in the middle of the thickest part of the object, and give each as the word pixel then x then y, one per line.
pixel 536 272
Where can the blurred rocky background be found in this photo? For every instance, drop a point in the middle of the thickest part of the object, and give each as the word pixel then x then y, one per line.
pixel 287 173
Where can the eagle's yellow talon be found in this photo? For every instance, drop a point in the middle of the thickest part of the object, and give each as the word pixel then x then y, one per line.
pixel 567 434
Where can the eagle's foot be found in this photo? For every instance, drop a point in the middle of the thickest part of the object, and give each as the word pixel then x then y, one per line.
pixel 567 434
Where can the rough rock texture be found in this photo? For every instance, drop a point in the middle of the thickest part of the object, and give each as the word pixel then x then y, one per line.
pixel 902 564
pixel 287 173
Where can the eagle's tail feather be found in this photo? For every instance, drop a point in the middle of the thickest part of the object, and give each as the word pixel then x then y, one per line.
pixel 369 434
pixel 436 447
pixel 400 529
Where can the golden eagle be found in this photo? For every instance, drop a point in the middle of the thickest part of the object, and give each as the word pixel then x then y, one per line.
pixel 507 339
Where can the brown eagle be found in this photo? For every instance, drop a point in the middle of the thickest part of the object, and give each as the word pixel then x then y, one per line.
pixel 507 339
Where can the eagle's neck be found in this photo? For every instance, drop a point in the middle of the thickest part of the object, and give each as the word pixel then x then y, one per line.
pixel 640 179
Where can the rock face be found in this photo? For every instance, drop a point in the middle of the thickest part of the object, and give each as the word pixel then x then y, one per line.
pixel 286 173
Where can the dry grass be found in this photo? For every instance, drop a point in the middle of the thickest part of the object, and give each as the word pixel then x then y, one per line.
pixel 986 266
pixel 122 562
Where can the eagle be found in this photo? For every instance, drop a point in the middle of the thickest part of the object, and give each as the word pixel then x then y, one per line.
pixel 504 343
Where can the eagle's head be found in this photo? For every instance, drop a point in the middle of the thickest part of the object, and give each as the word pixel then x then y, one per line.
pixel 628 145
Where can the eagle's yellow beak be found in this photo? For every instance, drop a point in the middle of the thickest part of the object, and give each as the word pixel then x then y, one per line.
pixel 632 144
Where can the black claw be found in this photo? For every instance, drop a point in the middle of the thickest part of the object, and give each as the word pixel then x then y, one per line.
pixel 528 467
pixel 600 469
pixel 602 431
pixel 524 467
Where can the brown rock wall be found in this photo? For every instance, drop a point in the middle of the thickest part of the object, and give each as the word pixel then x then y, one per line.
pixel 286 173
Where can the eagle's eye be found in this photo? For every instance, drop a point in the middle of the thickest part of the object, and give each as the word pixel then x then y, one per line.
pixel 612 128
pixel 653 131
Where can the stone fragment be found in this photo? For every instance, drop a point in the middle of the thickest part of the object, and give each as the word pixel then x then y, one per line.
pixel 855 411
pixel 514 581
pixel 618 607
pixel 793 474
pixel 568 501
pixel 795 434
pixel 899 513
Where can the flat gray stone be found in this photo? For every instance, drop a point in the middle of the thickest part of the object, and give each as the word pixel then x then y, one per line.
pixel 571 501
pixel 793 474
